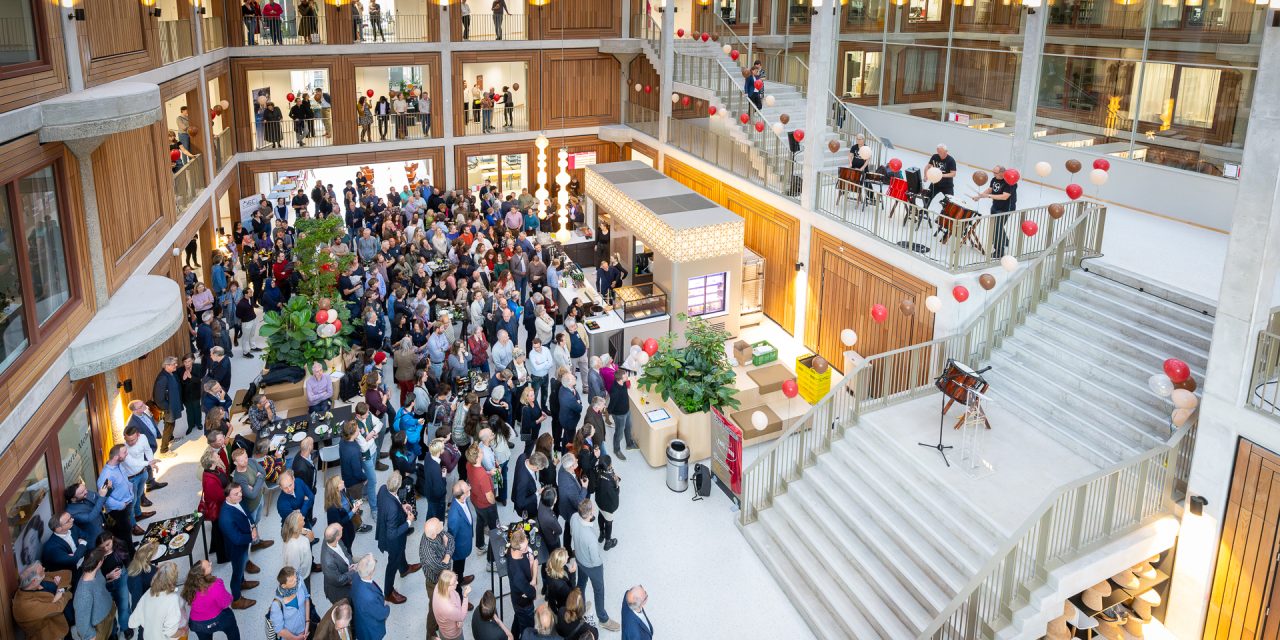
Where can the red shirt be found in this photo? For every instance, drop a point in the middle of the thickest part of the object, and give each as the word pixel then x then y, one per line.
pixel 481 483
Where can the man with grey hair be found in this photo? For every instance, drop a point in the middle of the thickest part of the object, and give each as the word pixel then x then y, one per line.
pixel 570 408
pixel 335 563
pixel 945 163
pixel 502 352
pixel 41 599
pixel 572 490
pixel 218 367
pixel 367 602
pixel 435 552
pixel 590 556
pixel 635 622
pixel 595 381
pixel 167 393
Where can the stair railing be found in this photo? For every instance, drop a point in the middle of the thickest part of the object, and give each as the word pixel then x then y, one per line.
pixel 1073 521
pixel 907 373
pixel 845 123
pixel 1264 383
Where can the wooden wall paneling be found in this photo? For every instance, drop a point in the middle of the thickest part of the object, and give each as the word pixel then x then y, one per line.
pixel 134 202
pixel 642 72
pixel 700 182
pixel 1245 572
pixel 843 284
pixel 46 78
pixel 569 19
pixel 180 85
pixel 218 68
pixel 776 237
pixel 337 22
pixel 342 89
pixel 533 88
pixel 117 40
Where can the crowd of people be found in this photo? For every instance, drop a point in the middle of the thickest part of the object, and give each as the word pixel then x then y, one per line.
pixel 471 386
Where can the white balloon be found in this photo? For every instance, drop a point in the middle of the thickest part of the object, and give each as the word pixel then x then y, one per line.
pixel 1098 177
pixel 1009 263
pixel 726 49
pixel 933 174
pixel 759 420
pixel 675 97
pixel 933 303
pixel 864 152
pixel 848 337
pixel 777 128
pixel 1160 385
pixel 326 331
pixel 1043 169
pixel 638 87
pixel 769 101
pixel 332 316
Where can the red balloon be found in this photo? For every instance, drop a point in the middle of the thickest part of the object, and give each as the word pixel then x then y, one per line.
pixel 175 155
pixel 321 316
pixel 711 110
pixel 368 92
pixel 337 326
pixel 1177 370
pixel 879 313
pixel 895 164
pixel 679 33
pixel 734 54
pixel 1011 176
pixel 1074 191
pixel 759 126
pixel 759 84
pixel 960 293
pixel 743 118
pixel 1102 163
pixel 799 135
pixel 648 89
pixel 327 267
pixel 705 36
pixel 650 346
pixel 684 102
pixel 1029 228
pixel 790 388
pixel 289 97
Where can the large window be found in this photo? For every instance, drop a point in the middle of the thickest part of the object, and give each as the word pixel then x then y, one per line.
pixel 28 511
pixel 707 294
pixel 75 448
pixel 17 33
pixel 33 271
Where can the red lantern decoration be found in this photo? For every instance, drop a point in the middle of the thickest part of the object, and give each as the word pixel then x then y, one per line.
pixel 733 55
pixel 1177 370
pixel 175 155
pixel 1102 163
pixel 799 135
pixel 743 117
pixel 711 110
pixel 1011 176
pixel 1029 228
pixel 289 97
pixel 759 126
pixel 879 313
pixel 895 164
pixel 960 293
pixel 368 92
pixel 650 346
pixel 759 84
pixel 337 326
pixel 1074 191
pixel 790 388
pixel 684 102
pixel 648 89
pixel 705 36
pixel 679 33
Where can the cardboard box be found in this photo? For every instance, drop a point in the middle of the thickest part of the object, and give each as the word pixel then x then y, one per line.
pixel 742 352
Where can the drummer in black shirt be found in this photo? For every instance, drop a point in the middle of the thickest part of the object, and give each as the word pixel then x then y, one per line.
pixel 1004 197
pixel 947 165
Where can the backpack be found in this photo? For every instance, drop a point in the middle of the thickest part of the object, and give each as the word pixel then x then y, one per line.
pixel 406 422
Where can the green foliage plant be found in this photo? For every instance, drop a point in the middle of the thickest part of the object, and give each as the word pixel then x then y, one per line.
pixel 696 376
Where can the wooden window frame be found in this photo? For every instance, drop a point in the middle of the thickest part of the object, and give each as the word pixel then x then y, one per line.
pixel 37 332
pixel 43 61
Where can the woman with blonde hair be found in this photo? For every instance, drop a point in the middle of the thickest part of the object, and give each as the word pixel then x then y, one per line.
pixel 448 606
pixel 161 611
pixel 571 623
pixel 340 509
pixel 297 546
pixel 560 577
pixel 140 571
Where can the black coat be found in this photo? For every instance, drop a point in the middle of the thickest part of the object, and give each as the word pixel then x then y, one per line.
pixel 524 489
pixel 431 484
pixel 271 118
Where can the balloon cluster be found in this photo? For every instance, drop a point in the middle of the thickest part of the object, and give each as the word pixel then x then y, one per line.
pixel 1176 384
pixel 650 347
pixel 328 323
pixel 1098 176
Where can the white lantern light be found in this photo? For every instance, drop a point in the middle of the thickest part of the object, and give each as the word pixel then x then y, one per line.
pixel 541 194
pixel 562 198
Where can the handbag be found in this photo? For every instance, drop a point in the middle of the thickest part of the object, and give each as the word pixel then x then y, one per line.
pixel 271 627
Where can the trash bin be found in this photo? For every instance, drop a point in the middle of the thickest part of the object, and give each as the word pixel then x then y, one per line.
pixel 678 466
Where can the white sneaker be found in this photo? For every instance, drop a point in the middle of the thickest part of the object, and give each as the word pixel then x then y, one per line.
pixel 611 625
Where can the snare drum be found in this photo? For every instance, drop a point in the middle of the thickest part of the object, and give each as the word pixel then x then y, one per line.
pixel 898 189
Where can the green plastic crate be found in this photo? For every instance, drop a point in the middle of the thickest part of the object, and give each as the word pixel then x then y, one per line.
pixel 764 358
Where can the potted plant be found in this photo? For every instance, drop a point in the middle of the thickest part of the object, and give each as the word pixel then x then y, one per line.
pixel 695 378
pixel 306 329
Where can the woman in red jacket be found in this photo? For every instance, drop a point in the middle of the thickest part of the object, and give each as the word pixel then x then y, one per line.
pixel 212 497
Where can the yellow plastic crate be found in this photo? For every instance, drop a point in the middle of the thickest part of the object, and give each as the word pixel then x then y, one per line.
pixel 813 385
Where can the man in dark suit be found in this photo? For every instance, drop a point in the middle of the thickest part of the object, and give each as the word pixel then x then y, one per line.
pixel 140 419
pixel 336 565
pixel 167 392
pixel 368 603
pixel 295 496
pixel 351 461
pixel 392 533
pixel 218 367
pixel 63 551
pixel 85 508
pixel 635 622
pixel 462 527
pixel 524 486
pixel 238 534
pixel 570 406
pixel 431 482
pixel 572 491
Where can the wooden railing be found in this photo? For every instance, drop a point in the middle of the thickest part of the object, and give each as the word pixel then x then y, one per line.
pixel 972 244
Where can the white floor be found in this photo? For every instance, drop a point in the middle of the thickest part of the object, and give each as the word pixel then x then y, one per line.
pixel 696 566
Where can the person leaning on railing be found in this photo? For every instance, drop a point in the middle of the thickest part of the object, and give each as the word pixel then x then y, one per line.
pixel 1004 198
pixel 251 13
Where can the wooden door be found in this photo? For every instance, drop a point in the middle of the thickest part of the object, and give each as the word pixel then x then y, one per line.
pixel 1245 575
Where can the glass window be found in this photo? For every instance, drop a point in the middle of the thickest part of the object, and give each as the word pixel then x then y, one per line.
pixel 921 74
pixel 862 74
pixel 17 32
pixel 1197 96
pixel 38 197
pixel 29 510
pixel 13 325
pixel 75 446
pixel 707 294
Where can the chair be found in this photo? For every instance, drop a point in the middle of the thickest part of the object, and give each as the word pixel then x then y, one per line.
pixel 1084 622
pixel 328 456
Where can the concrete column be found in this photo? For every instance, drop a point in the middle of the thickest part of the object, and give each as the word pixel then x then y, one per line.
pixel 667 52
pixel 822 45
pixel 71 43
pixel 451 178
pixel 83 150
pixel 802 280
pixel 1244 302
pixel 446 79
pixel 1028 83
pixel 625 11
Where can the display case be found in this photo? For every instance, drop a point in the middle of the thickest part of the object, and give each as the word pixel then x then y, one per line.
pixel 638 302
pixel 752 311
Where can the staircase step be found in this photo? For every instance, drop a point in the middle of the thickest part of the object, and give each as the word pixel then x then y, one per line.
pixel 813 593
pixel 1108 347
pixel 1098 304
pixel 1157 343
pixel 1154 305
pixel 881 597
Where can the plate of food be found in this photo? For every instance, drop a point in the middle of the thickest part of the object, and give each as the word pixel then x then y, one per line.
pixel 322 429
pixel 276 441
pixel 299 436
pixel 160 551
pixel 179 541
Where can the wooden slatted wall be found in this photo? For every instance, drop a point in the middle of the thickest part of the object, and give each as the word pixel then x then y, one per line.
pixel 576 19
pixel 1244 576
pixel 135 206
pixel 44 81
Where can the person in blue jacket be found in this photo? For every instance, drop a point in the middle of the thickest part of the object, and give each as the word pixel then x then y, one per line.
pixel 462 528
pixel 368 602
pixel 295 496
pixel 238 534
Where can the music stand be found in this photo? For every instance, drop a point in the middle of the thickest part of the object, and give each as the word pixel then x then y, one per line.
pixel 955 382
